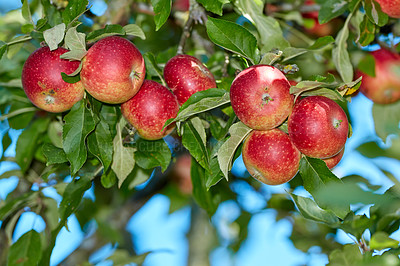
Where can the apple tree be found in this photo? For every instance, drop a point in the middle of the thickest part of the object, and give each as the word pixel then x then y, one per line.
pixel 162 96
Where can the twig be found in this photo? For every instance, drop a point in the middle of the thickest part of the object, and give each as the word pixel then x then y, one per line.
pixel 18 112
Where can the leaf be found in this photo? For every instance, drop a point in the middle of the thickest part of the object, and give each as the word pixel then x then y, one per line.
pixel 271 35
pixel 152 68
pixel 194 139
pixel 214 6
pixel 316 175
pixel 322 42
pixel 386 118
pixel 121 257
pixel 349 256
pixel 100 143
pixel 367 32
pixel 233 37
pixel 310 210
pixel 331 94
pixel 27 250
pixel 150 154
pixel 74 10
pixel 123 158
pixel 381 240
pixel 214 175
pixel 108 30
pixel 75 42
pixel 12 205
pixel 238 132
pixel 306 85
pixel 331 9
pixel 27 28
pixel 340 55
pixel 72 196
pixel 70 79
pixel 54 36
pixel 199 102
pixel 367 65
pixel 3 48
pixel 27 143
pixel 374 13
pixel 79 122
pixel 162 9
pixel 25 11
pixel 53 154
pixel 134 30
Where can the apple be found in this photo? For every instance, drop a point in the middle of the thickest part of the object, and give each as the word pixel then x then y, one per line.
pixel 149 109
pixel 43 84
pixel 333 161
pixel 181 5
pixel 113 70
pixel 260 96
pixel 270 156
pixel 186 75
pixel 390 7
pixel 384 88
pixel 318 127
pixel 181 173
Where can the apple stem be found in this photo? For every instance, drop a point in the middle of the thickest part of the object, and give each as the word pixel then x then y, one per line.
pixel 336 123
pixel 266 98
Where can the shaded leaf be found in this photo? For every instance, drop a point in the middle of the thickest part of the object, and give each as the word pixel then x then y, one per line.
pixel 331 9
pixel 150 154
pixel 27 250
pixel 53 154
pixel 214 175
pixel 100 143
pixel 386 118
pixel 374 13
pixel 108 30
pixel 381 240
pixel 214 6
pixel 322 42
pixel 349 256
pixel 72 196
pixel 134 30
pixel 121 257
pixel 73 10
pixel 162 9
pixel 194 139
pixel 54 36
pixel 340 55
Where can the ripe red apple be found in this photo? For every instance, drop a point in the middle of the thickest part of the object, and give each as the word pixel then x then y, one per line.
pixel 149 109
pixel 260 96
pixel 270 156
pixel 113 70
pixel 384 88
pixel 181 5
pixel 390 7
pixel 318 127
pixel 186 75
pixel 333 161
pixel 43 84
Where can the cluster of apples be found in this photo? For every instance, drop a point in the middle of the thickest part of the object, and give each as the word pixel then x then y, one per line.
pixel 317 126
pixel 113 72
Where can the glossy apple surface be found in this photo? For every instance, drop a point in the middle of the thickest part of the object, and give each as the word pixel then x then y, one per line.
pixel 186 75
pixel 270 156
pixel 260 96
pixel 384 88
pixel 43 84
pixel 318 127
pixel 113 70
pixel 333 161
pixel 149 109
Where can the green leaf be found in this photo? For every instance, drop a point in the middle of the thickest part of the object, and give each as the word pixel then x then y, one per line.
pixel 75 42
pixel 134 30
pixel 121 257
pixel 70 79
pixel 316 175
pixel 194 139
pixel 150 154
pixel 72 196
pixel 123 158
pixel 238 132
pixel 214 6
pixel 201 195
pixel 108 30
pixel 349 256
pixel 3 49
pixel 27 250
pixel 28 142
pixel 108 178
pixel 310 210
pixel 100 143
pixel 152 68
pixel 306 85
pixel 214 175
pixel 27 28
pixel 381 240
pixel 386 118
pixel 340 55
pixel 270 32
pixel 322 42
pixel 367 65
pixel 374 13
pixel 79 122
pixel 372 150
pixel 367 32
pixel 53 154
pixel 162 9
pixel 331 9
pixel 199 102
pixel 233 37
pixel 329 93
pixel 74 10
pixel 54 36
pixel 25 11
pixel 12 205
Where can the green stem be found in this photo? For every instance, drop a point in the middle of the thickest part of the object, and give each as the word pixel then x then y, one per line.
pixel 18 112
pixel 26 38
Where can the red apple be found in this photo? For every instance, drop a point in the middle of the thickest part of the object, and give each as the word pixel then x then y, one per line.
pixel 43 84
pixel 333 161
pixel 390 7
pixel 318 127
pixel 186 75
pixel 149 109
pixel 384 88
pixel 113 70
pixel 181 5
pixel 181 173
pixel 270 156
pixel 260 96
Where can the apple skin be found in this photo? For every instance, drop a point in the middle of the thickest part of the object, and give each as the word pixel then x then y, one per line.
pixel 43 84
pixel 390 7
pixel 270 156
pixel 384 88
pixel 113 70
pixel 333 161
pixel 318 127
pixel 149 109
pixel 186 75
pixel 260 96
